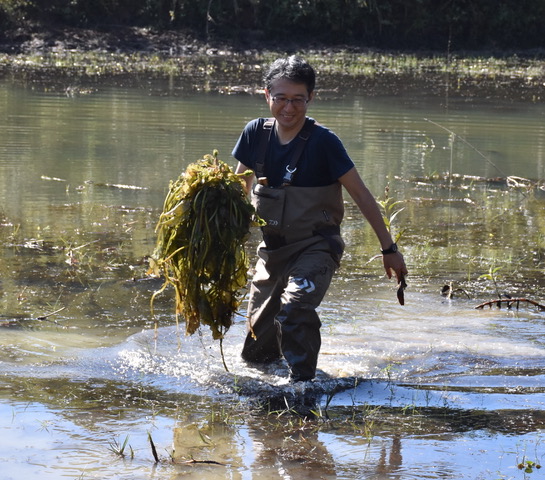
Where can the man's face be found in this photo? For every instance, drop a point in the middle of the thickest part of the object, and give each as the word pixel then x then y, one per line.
pixel 288 102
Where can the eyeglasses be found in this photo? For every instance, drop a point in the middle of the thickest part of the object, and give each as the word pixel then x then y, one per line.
pixel 296 102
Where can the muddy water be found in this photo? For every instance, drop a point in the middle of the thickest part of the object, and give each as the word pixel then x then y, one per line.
pixel 435 389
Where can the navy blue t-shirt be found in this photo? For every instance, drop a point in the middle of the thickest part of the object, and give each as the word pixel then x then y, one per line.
pixel 322 162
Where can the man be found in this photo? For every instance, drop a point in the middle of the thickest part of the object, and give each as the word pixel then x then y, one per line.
pixel 301 168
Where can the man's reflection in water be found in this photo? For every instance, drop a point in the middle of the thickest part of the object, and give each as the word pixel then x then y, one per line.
pixel 276 444
pixel 394 460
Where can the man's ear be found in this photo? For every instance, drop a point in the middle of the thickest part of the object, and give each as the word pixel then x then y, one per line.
pixel 311 96
pixel 267 95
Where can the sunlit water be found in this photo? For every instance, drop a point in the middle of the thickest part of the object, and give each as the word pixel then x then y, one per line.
pixel 433 389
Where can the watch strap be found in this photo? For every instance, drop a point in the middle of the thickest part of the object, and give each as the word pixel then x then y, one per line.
pixel 391 249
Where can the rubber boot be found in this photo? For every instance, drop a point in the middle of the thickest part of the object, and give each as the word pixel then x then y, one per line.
pixel 300 341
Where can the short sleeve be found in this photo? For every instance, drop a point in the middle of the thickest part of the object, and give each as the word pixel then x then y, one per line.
pixel 244 150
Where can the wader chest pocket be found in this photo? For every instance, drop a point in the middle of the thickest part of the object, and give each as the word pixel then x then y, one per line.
pixel 269 204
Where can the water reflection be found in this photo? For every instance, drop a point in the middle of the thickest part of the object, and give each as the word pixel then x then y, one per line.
pixel 77 421
pixel 284 453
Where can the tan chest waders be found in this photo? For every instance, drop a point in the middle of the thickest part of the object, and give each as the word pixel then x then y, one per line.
pixel 299 254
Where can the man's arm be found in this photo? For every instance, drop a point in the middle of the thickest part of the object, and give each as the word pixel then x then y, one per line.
pixel 368 206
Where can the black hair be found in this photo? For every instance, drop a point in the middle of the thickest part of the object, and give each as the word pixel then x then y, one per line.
pixel 293 68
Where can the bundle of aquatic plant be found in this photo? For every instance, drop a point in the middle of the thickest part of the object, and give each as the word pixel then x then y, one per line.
pixel 201 233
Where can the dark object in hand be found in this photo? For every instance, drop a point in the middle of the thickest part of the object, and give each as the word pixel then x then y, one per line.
pixel 401 290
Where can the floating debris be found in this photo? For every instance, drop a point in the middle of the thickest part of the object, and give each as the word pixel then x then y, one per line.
pixel 510 302
pixel 115 185
pixel 52 179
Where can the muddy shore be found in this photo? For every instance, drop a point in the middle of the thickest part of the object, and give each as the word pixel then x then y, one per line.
pixel 126 55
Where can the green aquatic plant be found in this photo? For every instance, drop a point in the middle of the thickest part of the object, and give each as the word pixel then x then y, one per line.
pixel 119 449
pixel 492 275
pixel 390 209
pixel 528 466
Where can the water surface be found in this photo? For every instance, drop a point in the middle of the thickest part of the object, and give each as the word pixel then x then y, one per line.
pixel 435 389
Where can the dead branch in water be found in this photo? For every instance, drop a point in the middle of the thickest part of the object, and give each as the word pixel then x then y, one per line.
pixel 463 182
pixel 509 302
pixel 194 462
pixel 45 316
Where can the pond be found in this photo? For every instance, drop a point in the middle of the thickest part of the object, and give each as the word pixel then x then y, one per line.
pixel 434 389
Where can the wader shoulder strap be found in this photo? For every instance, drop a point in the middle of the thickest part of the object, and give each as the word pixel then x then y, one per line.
pixel 264 139
pixel 302 138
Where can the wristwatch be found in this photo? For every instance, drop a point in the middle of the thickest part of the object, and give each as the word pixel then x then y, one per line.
pixel 391 249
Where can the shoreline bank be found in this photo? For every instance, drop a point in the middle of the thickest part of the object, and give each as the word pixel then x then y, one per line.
pixel 85 57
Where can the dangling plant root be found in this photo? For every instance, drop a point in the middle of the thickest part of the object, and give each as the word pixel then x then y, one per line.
pixel 201 233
